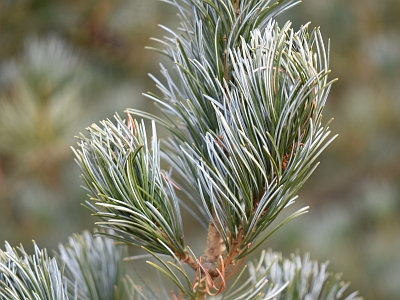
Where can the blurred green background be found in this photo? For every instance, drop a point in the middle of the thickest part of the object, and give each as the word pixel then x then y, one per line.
pixel 68 63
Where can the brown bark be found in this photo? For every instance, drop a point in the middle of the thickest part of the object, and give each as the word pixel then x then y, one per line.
pixel 215 248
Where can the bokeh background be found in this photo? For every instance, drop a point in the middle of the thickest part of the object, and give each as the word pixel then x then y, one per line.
pixel 68 63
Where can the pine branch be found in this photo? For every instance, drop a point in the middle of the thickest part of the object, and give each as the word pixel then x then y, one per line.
pixel 94 269
pixel 275 277
pixel 132 195
pixel 24 276
pixel 86 268
pixel 245 110
pixel 270 133
pixel 254 135
pixel 200 51
pixel 37 90
pixel 94 265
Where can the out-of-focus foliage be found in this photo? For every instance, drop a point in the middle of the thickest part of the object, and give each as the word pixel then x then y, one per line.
pixel 38 91
pixel 304 278
pixel 94 266
pixel 63 65
pixel 354 194
pixel 24 276
pixel 88 267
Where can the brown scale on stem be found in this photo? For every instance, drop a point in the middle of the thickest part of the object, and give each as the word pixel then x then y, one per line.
pixel 256 201
pixel 174 297
pixel 286 157
pixel 190 261
pixel 236 7
pixel 219 142
pixel 131 124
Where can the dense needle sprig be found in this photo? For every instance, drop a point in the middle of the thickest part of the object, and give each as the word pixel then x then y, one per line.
pixel 88 267
pixel 93 266
pixel 122 173
pixel 24 276
pixel 275 277
pixel 248 100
